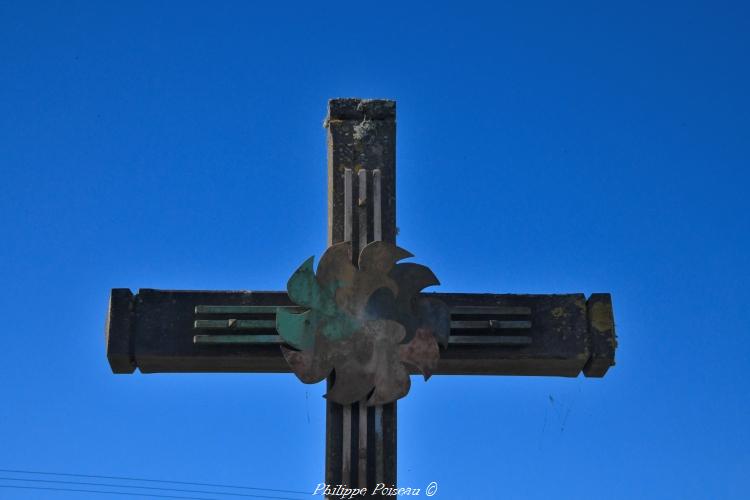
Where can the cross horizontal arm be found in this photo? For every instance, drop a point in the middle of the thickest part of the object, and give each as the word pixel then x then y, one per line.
pixel 201 331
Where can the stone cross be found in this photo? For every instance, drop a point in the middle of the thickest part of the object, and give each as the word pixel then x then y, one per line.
pixel 160 331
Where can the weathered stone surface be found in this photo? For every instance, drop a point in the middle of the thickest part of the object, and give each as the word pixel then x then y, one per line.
pixel 601 335
pixel 159 337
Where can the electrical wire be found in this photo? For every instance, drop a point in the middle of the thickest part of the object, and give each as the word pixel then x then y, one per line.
pixel 103 492
pixel 154 488
pixel 125 478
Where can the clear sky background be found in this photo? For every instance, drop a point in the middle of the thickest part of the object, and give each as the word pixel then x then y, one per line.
pixel 543 147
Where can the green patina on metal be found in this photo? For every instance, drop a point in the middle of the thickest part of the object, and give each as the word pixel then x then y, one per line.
pixel 324 315
pixel 364 322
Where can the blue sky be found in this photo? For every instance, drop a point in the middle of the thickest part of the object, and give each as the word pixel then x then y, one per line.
pixel 543 147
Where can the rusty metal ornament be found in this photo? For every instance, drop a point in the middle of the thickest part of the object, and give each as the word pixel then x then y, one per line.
pixel 364 323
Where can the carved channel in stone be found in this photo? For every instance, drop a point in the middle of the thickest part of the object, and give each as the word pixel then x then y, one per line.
pixel 244 319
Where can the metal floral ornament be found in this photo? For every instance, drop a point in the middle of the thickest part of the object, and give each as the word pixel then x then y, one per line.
pixel 364 323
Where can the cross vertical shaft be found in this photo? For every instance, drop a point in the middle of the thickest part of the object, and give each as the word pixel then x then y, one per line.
pixel 361 441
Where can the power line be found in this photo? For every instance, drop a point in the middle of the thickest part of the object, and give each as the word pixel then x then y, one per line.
pixel 124 478
pixel 104 492
pixel 105 485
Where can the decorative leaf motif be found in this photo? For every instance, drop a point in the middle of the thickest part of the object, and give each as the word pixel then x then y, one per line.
pixel 391 377
pixel 363 323
pixel 421 352
pixel 336 266
pixel 304 289
pixel 295 329
pixel 379 257
pixel 298 330
pixel 434 315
